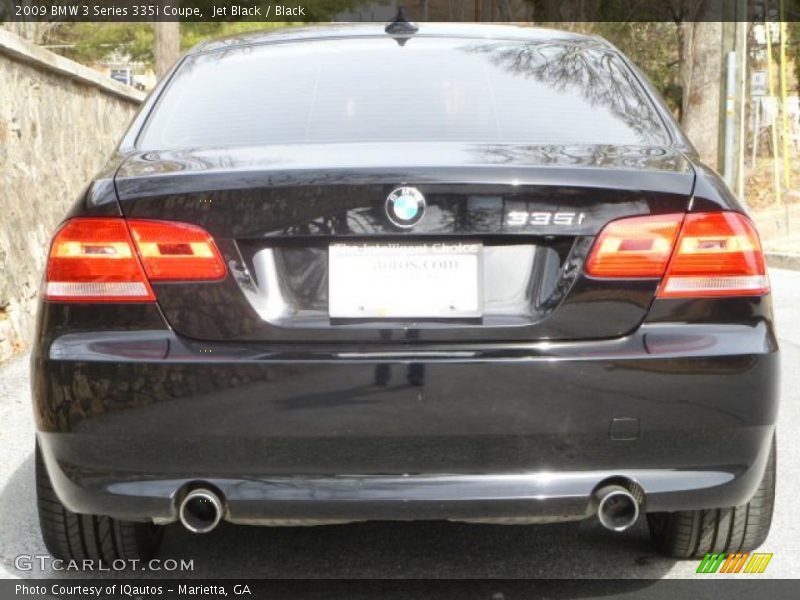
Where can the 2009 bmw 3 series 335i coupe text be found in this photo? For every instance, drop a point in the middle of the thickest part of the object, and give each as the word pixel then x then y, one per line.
pixel 461 272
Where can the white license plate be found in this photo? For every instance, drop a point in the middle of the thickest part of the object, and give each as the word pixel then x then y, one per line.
pixel 433 280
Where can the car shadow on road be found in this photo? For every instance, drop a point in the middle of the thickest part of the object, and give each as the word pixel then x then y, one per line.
pixel 365 550
pixel 419 550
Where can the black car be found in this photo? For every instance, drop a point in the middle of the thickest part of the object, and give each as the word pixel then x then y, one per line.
pixel 460 272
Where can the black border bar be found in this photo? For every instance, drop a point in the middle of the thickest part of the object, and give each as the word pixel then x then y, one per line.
pixel 528 11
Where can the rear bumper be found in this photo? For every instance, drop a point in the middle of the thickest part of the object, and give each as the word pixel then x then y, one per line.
pixel 535 497
pixel 127 421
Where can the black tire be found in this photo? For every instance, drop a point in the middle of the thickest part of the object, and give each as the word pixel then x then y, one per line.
pixel 694 533
pixel 70 536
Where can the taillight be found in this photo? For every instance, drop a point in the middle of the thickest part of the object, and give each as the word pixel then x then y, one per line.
pixel 697 254
pixel 177 251
pixel 634 247
pixel 718 254
pixel 97 259
pixel 93 260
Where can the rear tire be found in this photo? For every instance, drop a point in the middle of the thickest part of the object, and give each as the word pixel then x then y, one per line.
pixel 70 536
pixel 695 533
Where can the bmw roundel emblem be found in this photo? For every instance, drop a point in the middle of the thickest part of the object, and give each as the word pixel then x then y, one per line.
pixel 405 206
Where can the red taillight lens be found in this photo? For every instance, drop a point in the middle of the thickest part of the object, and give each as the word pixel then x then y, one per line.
pixel 718 254
pixel 634 247
pixel 177 251
pixel 93 260
pixel 715 254
pixel 97 260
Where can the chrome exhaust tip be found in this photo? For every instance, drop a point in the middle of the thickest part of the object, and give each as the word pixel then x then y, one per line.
pixel 200 511
pixel 617 507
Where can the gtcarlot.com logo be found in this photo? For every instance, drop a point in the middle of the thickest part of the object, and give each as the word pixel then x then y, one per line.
pixel 745 562
pixel 43 562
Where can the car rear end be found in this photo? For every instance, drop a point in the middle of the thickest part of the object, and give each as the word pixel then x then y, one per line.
pixel 423 298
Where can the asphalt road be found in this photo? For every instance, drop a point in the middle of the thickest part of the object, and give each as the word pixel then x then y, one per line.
pixel 413 549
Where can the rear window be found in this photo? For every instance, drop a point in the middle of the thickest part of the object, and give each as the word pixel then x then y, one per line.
pixel 429 90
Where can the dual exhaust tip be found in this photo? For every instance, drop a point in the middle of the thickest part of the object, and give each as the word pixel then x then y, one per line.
pixel 618 506
pixel 201 509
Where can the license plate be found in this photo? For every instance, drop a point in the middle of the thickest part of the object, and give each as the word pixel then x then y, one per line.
pixel 406 281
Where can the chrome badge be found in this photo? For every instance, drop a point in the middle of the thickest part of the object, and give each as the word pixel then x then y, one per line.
pixel 405 206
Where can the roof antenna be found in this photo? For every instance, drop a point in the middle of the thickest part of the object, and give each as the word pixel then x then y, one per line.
pixel 400 28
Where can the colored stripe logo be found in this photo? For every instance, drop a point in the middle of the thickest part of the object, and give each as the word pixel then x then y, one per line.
pixel 745 562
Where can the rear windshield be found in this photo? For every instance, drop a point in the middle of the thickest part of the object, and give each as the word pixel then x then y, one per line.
pixel 428 90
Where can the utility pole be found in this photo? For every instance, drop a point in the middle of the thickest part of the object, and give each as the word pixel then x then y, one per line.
pixel 731 81
pixel 784 111
pixel 774 111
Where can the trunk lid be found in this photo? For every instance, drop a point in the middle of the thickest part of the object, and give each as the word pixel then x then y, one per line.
pixel 533 211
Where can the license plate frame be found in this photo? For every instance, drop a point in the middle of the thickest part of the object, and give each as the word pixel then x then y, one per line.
pixel 409 280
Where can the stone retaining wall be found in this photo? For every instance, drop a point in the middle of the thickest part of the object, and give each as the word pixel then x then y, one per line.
pixel 59 122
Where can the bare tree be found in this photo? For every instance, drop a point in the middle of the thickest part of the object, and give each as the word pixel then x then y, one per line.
pixel 701 63
pixel 168 45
